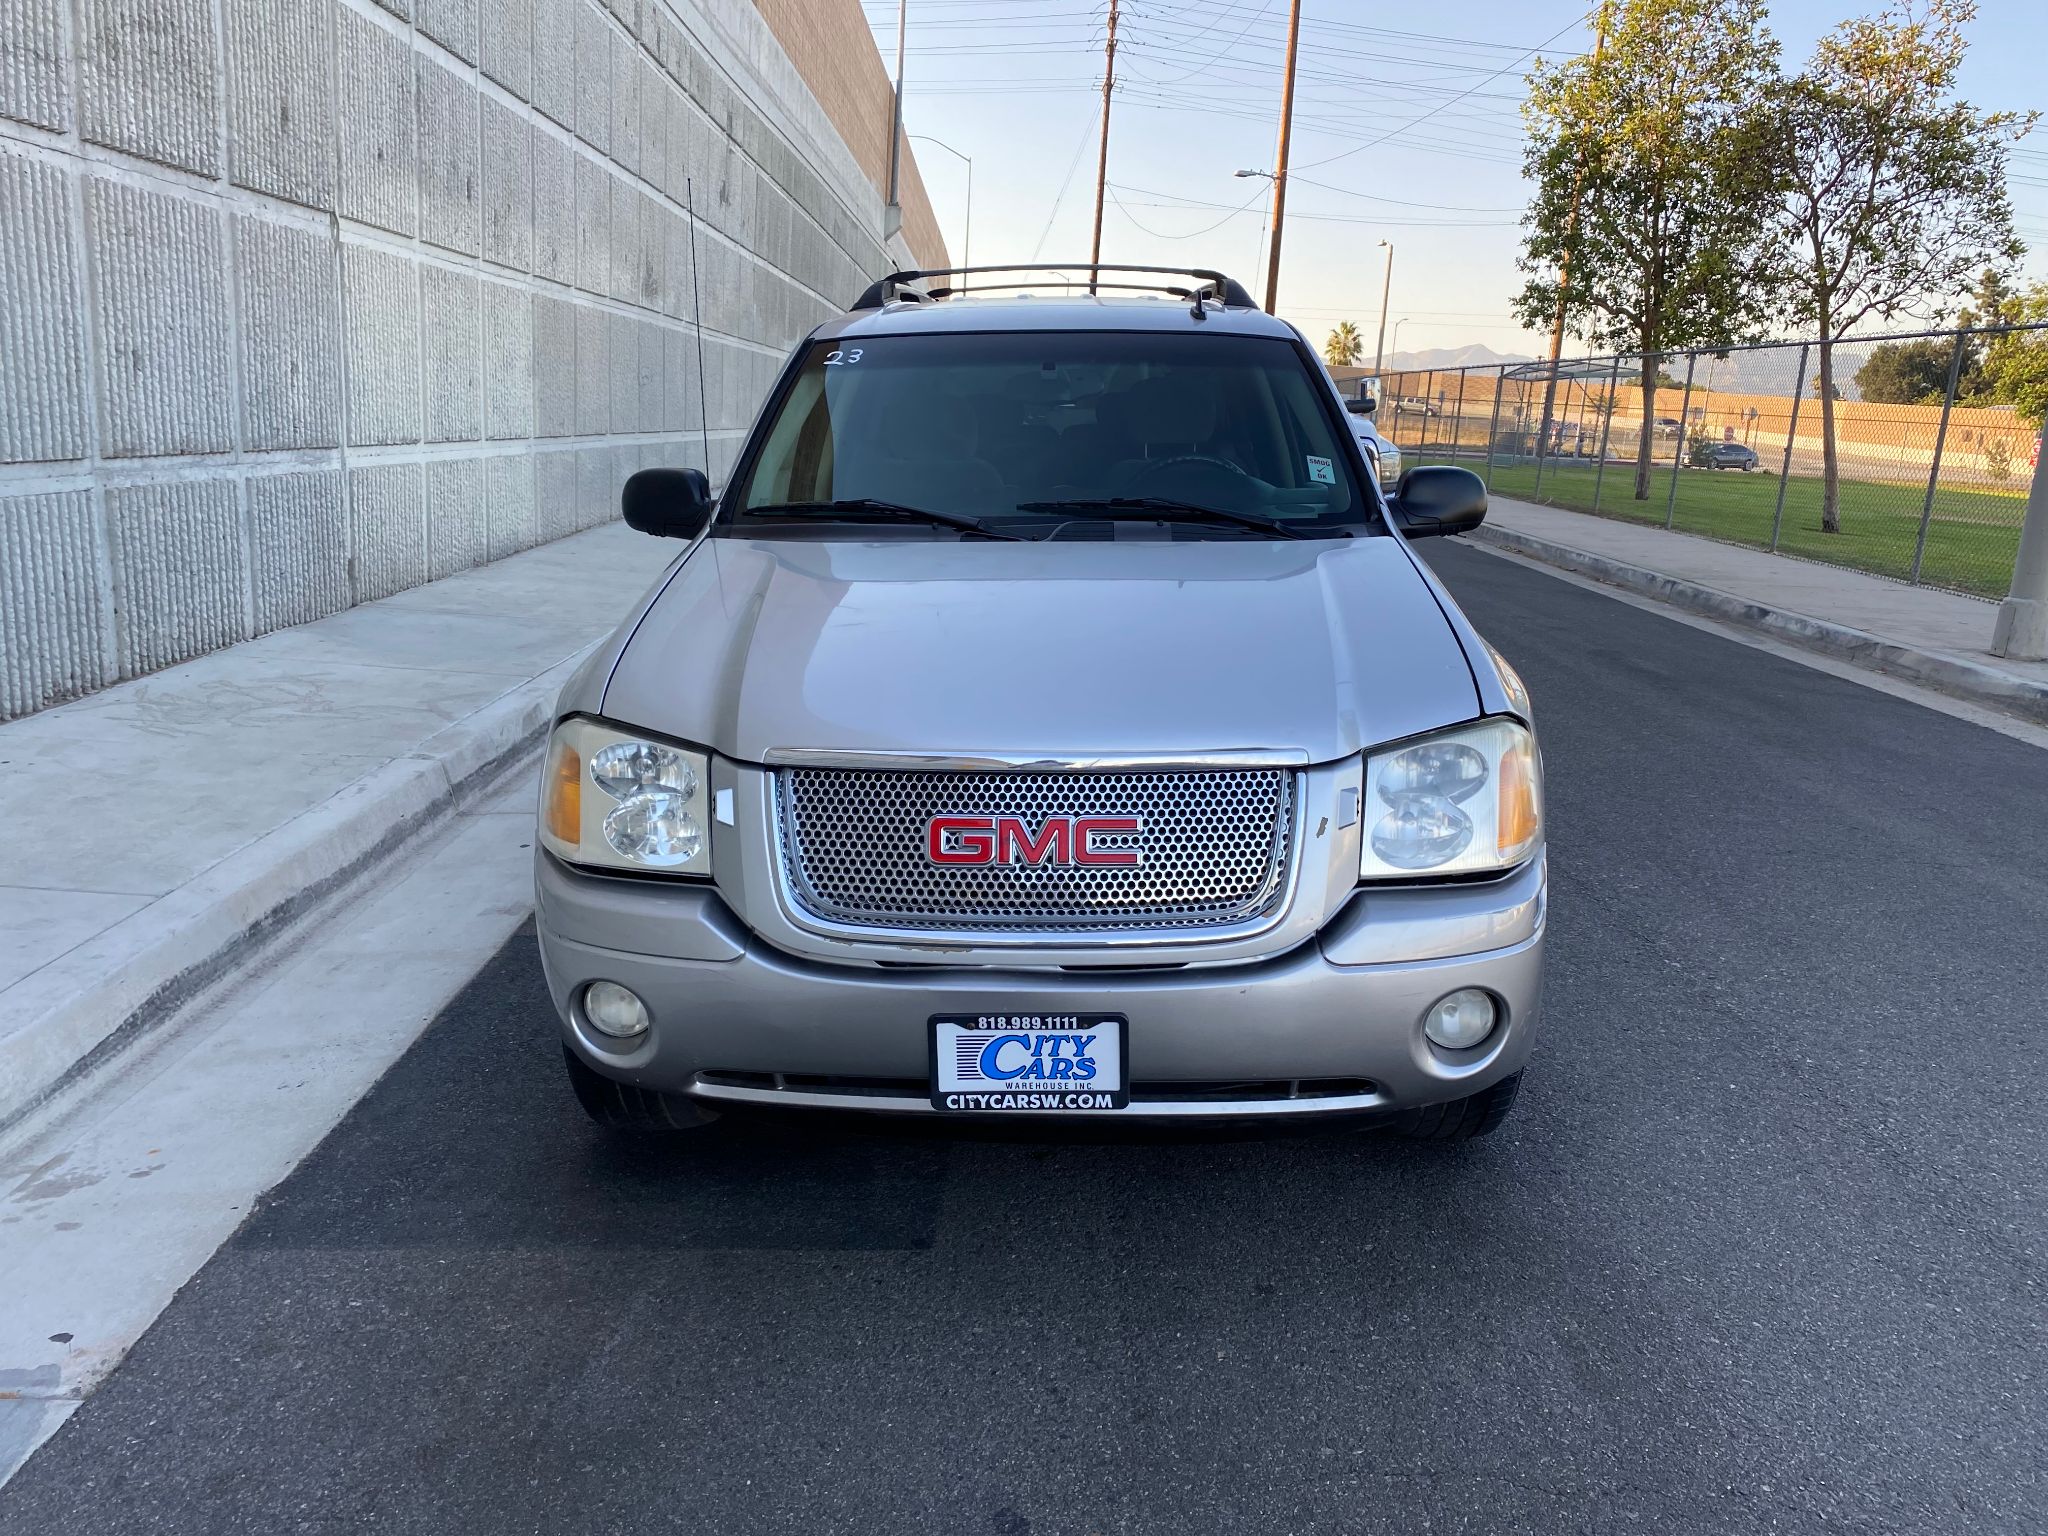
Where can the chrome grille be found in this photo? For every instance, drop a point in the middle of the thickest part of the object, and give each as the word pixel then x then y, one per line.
pixel 1215 848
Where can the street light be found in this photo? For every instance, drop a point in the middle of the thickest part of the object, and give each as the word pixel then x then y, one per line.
pixel 967 235
pixel 1386 287
pixel 1397 333
pixel 1267 175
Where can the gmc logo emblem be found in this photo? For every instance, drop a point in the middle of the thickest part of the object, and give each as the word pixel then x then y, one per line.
pixel 1010 840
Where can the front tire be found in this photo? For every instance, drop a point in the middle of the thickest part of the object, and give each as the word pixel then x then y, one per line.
pixel 621 1106
pixel 1465 1119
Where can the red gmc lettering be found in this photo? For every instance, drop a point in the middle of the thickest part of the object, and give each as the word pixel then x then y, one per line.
pixel 1010 840
pixel 1085 828
pixel 974 836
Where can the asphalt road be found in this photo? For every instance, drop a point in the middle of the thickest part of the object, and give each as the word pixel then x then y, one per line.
pixel 1760 1250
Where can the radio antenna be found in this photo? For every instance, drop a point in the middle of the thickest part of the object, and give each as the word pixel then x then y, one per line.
pixel 697 319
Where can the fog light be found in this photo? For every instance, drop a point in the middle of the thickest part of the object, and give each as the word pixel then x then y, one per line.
pixel 616 1011
pixel 1458 1021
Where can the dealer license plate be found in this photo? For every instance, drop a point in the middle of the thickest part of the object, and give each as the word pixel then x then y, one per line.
pixel 999 1063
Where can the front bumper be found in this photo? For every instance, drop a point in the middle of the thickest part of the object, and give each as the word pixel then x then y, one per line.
pixel 1333 1025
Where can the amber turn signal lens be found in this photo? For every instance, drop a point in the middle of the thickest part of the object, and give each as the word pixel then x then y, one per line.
pixel 1520 817
pixel 564 814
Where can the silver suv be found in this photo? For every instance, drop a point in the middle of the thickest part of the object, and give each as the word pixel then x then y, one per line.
pixel 1206 803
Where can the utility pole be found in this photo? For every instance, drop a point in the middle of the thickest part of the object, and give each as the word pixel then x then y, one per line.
pixel 1564 264
pixel 1280 165
pixel 894 212
pixel 1379 356
pixel 1102 155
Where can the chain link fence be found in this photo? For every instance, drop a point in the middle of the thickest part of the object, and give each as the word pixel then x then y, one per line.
pixel 1931 476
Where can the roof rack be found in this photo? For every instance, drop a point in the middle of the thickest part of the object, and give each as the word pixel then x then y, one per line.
pixel 1223 290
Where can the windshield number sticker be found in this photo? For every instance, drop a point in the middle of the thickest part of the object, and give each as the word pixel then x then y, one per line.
pixel 1321 471
pixel 838 356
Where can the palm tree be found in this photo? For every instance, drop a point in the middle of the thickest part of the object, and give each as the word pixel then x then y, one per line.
pixel 1345 346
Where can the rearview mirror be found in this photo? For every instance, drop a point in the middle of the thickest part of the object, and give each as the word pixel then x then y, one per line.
pixel 1438 499
pixel 668 503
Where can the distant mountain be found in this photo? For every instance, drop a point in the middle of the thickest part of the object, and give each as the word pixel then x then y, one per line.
pixel 1475 355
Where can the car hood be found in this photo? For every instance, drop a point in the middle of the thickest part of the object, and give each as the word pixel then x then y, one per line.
pixel 1081 649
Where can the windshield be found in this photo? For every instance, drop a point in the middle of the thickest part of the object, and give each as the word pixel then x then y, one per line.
pixel 1050 433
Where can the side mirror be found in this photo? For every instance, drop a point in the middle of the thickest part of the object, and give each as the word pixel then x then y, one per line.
pixel 1438 499
pixel 668 503
pixel 1361 405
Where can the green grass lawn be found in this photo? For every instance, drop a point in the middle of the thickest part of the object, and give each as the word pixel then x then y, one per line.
pixel 1971 542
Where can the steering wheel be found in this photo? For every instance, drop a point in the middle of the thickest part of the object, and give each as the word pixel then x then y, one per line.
pixel 1156 467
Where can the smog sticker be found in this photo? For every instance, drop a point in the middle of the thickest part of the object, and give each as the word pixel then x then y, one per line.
pixel 1321 471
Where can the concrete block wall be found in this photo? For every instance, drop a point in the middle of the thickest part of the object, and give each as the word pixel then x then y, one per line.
pixel 305 302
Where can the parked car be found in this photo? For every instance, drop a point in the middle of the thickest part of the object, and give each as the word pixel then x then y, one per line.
pixel 1729 456
pixel 1208 803
pixel 1381 451
pixel 1415 407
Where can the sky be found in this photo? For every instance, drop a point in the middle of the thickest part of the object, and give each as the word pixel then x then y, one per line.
pixel 1406 129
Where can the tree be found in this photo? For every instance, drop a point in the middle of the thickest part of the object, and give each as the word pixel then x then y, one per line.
pixel 2016 364
pixel 1905 372
pixel 1345 346
pixel 1894 190
pixel 1648 198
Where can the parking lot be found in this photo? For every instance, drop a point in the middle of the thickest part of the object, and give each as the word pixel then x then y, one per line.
pixel 1760 1248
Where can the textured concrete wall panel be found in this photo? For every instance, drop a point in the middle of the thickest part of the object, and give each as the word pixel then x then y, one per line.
pixel 597 486
pixel 554 367
pixel 147 80
pixel 625 92
pixel 51 611
pixel 180 581
pixel 454 358
pixel 35 86
pixel 452 24
pixel 298 547
pixel 650 375
pixel 593 371
pixel 625 241
pixel 451 177
pixel 382 341
pixel 289 286
pixel 507 186
pixel 378 130
pixel 387 528
pixel 593 226
pixel 554 493
pixel 456 535
pixel 508 361
pixel 281 112
pixel 554 208
pixel 507 44
pixel 593 78
pixel 159 279
pixel 554 59
pixel 508 505
pixel 42 406
pixel 622 372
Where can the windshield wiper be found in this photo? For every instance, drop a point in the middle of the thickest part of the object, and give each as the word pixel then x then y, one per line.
pixel 1153 508
pixel 870 506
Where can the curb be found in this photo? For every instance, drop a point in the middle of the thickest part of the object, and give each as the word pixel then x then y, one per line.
pixel 81 1010
pixel 1943 672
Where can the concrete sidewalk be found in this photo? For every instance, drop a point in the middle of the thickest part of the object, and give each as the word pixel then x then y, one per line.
pixel 1933 638
pixel 156 829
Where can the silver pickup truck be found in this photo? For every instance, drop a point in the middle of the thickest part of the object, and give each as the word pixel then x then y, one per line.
pixel 1204 803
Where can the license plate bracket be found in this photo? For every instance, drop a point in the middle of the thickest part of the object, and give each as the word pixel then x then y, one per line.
pixel 1030 1063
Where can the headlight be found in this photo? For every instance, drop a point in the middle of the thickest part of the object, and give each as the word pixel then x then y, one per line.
pixel 1457 803
pixel 622 802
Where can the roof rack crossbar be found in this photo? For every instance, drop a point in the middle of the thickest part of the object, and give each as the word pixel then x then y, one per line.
pixel 1224 290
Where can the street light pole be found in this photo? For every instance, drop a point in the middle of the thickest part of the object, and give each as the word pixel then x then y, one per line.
pixel 2021 630
pixel 896 120
pixel 967 234
pixel 1386 287
pixel 1102 154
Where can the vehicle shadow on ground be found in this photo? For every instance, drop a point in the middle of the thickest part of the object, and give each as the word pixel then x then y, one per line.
pixel 475 1141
